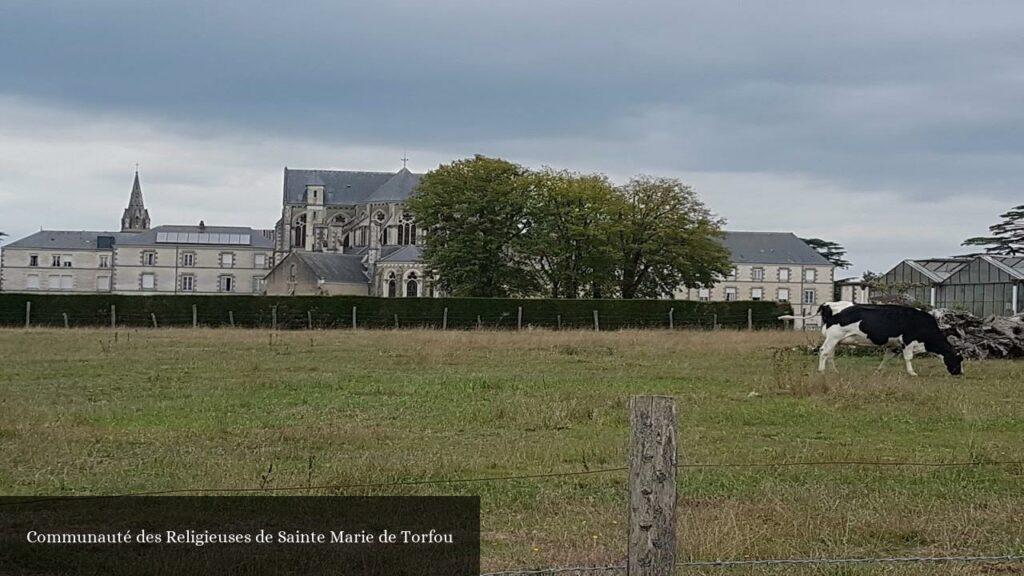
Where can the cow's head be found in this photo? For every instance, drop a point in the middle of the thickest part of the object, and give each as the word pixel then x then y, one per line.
pixel 954 362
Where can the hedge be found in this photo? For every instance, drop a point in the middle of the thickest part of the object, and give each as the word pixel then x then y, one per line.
pixel 295 312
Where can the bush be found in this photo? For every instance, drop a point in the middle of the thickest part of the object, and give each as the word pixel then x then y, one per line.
pixel 336 312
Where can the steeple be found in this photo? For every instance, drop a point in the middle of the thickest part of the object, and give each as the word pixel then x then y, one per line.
pixel 136 217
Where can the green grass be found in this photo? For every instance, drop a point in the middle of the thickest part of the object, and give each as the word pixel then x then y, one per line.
pixel 84 413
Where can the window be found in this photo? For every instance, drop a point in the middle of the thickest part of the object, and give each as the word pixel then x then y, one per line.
pixel 188 283
pixel 757 294
pixel 104 261
pixel 227 283
pixel 148 281
pixel 188 259
pixel 67 282
pixel 55 261
pixel 149 258
pixel 66 261
pixel 53 282
pixel 227 260
pixel 412 286
pixel 757 274
pixel 730 294
pixel 32 282
pixel 392 285
pixel 783 274
pixel 810 275
pixel 259 261
pixel 33 260
pixel 783 295
pixel 810 296
pixel 257 284
pixel 704 294
pixel 103 283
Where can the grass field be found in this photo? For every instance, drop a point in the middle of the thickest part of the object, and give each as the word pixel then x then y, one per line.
pixel 84 413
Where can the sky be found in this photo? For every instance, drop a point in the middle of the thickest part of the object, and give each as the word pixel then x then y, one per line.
pixel 893 128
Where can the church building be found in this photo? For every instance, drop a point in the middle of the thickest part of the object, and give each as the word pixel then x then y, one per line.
pixel 345 232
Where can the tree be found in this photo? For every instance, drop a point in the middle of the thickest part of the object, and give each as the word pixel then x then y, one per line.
pixel 1007 237
pixel 665 238
pixel 832 251
pixel 475 213
pixel 573 220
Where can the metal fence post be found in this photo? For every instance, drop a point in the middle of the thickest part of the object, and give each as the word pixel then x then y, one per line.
pixel 558 320
pixel 671 319
pixel 354 324
pixel 309 319
pixel 715 325
pixel 273 317
pixel 519 319
pixel 444 319
pixel 750 318
pixel 396 321
pixel 652 486
pixel 597 323
pixel 67 324
pixel 113 316
pixel 231 318
pixel 195 317
pixel 152 315
pixel 28 314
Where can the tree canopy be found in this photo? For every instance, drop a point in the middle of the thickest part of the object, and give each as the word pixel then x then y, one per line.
pixel 1007 237
pixel 832 251
pixel 494 228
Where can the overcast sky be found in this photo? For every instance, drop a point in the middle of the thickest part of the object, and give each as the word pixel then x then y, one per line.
pixel 894 128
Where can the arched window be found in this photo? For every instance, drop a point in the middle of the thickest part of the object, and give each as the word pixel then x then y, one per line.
pixel 392 286
pixel 412 285
pixel 300 231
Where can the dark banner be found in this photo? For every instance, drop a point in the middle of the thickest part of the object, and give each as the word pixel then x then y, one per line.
pixel 241 535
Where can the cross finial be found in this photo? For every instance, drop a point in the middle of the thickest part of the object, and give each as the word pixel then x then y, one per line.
pixel 136 167
pixel 405 160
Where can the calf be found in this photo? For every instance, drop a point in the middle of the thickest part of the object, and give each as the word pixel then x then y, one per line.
pixel 884 325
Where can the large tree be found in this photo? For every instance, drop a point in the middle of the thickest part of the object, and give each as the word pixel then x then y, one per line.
pixel 475 213
pixel 573 225
pixel 665 238
pixel 832 251
pixel 1007 237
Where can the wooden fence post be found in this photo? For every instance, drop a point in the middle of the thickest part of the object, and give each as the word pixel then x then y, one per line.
pixel 28 314
pixel 750 318
pixel 231 318
pixel 354 324
pixel 113 316
pixel 273 318
pixel 195 317
pixel 67 324
pixel 519 319
pixel 597 323
pixel 671 319
pixel 652 486
pixel 152 315
pixel 444 319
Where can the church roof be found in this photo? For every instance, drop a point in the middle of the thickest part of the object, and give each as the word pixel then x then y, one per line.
pixel 135 201
pixel 771 248
pixel 404 254
pixel 342 187
pixel 334 267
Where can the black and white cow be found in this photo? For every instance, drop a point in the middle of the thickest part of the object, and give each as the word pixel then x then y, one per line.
pixel 886 325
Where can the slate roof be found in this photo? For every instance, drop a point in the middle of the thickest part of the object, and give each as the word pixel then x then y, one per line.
pixel 87 239
pixel 404 254
pixel 61 240
pixel 334 267
pixel 148 237
pixel 344 187
pixel 771 248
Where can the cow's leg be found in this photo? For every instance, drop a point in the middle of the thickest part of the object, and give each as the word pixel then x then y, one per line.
pixel 827 353
pixel 886 354
pixel 908 355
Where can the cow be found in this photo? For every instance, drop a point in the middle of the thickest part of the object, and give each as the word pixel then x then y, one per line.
pixel 886 325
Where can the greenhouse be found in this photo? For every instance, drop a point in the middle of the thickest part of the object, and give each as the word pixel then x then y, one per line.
pixel 982 285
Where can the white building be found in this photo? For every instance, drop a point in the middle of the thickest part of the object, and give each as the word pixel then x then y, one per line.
pixel 139 259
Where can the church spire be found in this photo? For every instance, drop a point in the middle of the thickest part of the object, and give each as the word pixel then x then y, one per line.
pixel 135 217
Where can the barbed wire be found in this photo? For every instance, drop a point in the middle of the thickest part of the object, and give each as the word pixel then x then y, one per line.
pixel 769 563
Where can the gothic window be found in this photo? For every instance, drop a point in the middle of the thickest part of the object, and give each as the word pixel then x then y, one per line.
pixel 300 231
pixel 392 286
pixel 406 233
pixel 412 285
